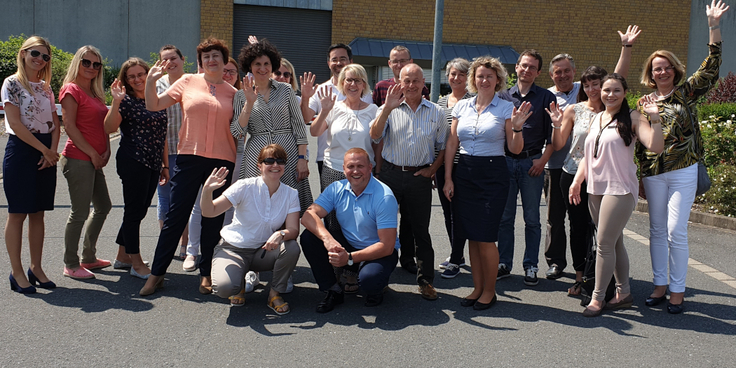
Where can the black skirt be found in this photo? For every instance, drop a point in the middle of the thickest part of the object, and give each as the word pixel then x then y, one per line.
pixel 481 191
pixel 27 189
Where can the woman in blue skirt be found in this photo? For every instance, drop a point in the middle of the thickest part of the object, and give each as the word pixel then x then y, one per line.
pixel 29 168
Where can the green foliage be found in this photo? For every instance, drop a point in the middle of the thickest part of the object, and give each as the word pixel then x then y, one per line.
pixel 511 80
pixel 719 137
pixel 632 98
pixel 721 198
pixel 723 110
pixel 188 67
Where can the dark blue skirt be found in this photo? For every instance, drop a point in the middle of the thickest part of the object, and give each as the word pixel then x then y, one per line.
pixel 27 189
pixel 481 190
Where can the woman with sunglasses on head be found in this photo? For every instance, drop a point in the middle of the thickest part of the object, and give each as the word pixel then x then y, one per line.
pixel 86 152
pixel 670 178
pixel 29 167
pixel 140 159
pixel 262 236
pixel 205 144
pixel 610 172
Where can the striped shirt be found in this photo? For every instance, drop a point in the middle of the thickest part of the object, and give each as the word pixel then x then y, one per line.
pixel 410 137
pixel 173 113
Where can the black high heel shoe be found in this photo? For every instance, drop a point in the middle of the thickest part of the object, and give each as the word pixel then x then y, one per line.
pixel 652 301
pixel 34 280
pixel 15 287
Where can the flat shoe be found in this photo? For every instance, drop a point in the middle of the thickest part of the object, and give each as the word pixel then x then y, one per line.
pixel 119 265
pixel 483 306
pixel 97 264
pixel 467 302
pixel 135 273
pixel 148 291
pixel 651 301
pixel 374 300
pixel 280 309
pixel 626 302
pixel 80 273
pixel 675 308
pixel 332 299
pixel 593 313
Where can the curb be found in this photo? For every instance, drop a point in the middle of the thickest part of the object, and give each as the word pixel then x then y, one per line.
pixel 719 221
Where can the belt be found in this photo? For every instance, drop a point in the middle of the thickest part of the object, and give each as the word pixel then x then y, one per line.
pixel 524 154
pixel 391 166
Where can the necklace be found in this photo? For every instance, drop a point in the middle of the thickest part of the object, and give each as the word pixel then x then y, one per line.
pixel 662 97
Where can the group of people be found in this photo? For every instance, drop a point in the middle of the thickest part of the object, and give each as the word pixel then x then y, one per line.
pixel 229 159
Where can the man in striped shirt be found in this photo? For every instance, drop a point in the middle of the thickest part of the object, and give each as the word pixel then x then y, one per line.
pixel 411 128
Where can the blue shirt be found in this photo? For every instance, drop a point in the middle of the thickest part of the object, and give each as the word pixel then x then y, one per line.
pixel 361 217
pixel 482 134
pixel 410 137
pixel 557 160
pixel 537 130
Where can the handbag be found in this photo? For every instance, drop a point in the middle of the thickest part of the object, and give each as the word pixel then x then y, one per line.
pixel 703 179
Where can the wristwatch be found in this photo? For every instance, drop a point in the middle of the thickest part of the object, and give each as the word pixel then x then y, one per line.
pixel 350 259
pixel 283 233
pixel 302 157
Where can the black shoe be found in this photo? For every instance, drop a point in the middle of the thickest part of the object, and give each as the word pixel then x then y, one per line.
pixel 675 308
pixel 332 299
pixel 554 273
pixel 410 268
pixel 503 272
pixel 651 302
pixel 530 276
pixel 374 300
pixel 483 306
pixel 468 302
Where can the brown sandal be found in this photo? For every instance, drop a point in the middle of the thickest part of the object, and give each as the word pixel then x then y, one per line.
pixel 575 289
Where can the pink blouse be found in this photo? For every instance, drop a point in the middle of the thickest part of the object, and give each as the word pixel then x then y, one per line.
pixel 613 172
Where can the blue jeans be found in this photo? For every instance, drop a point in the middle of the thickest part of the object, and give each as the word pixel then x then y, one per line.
pixel 531 193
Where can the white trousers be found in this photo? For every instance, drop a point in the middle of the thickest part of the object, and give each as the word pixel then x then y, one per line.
pixel 670 196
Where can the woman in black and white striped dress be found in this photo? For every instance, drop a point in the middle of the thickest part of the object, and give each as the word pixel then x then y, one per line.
pixel 269 112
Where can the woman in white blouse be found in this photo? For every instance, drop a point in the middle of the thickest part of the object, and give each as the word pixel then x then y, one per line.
pixel 261 198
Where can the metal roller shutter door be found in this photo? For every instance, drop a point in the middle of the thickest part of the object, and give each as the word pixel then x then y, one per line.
pixel 282 26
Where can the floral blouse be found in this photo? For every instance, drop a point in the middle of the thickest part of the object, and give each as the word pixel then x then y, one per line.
pixel 683 145
pixel 143 132
pixel 36 110
pixel 583 116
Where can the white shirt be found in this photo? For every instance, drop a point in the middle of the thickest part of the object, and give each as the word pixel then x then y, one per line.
pixel 348 128
pixel 257 215
pixel 316 106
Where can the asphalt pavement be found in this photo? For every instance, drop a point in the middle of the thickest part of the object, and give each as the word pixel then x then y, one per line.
pixel 103 322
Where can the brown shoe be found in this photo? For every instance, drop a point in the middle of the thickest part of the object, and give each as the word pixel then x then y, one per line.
pixel 428 292
pixel 152 284
pixel 589 312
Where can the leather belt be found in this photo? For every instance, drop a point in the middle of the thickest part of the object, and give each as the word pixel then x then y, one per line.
pixel 524 154
pixel 391 166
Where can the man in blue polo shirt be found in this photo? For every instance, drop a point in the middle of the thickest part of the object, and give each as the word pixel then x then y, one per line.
pixel 526 168
pixel 367 213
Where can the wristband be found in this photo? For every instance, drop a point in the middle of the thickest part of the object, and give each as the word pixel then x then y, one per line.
pixel 516 131
pixel 713 28
pixel 627 45
pixel 165 167
pixel 555 127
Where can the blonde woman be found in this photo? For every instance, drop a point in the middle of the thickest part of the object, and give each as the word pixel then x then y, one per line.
pixel 30 159
pixel 86 152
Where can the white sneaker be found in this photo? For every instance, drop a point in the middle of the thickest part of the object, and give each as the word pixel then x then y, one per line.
pixel 289 286
pixel 251 280
pixel 189 263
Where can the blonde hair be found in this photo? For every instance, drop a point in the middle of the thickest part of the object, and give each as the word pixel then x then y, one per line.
pixel 358 71
pixel 98 90
pixel 44 75
pixel 287 64
pixel 490 63
pixel 646 74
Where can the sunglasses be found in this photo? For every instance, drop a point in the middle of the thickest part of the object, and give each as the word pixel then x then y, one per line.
pixel 286 74
pixel 95 65
pixel 271 161
pixel 36 53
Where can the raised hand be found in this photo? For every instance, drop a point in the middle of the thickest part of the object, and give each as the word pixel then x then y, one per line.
pixel 394 97
pixel 117 90
pixel 157 70
pixel 249 89
pixel 216 180
pixel 326 98
pixel 715 11
pixel 555 113
pixel 628 38
pixel 307 84
pixel 252 39
pixel 519 116
pixel 649 106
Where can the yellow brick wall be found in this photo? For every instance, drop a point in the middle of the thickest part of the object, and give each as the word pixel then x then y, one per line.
pixel 216 20
pixel 585 29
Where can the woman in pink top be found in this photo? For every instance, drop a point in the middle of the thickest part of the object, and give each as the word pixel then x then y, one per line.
pixel 85 154
pixel 205 143
pixel 609 170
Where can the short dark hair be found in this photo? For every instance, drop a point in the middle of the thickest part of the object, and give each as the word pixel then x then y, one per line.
pixel 590 74
pixel 123 78
pixel 210 44
pixel 272 150
pixel 170 47
pixel 253 51
pixel 533 53
pixel 340 46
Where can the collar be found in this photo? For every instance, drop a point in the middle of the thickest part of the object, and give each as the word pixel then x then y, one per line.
pixel 515 89
pixel 424 102
pixel 494 101
pixel 369 188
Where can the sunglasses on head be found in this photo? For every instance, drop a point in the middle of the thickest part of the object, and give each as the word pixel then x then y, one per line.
pixel 95 65
pixel 36 53
pixel 286 74
pixel 271 161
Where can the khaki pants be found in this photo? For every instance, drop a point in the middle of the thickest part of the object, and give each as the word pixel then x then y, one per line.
pixel 230 264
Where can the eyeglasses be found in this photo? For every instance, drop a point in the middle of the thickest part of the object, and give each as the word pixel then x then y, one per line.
pixel 95 65
pixel 271 161
pixel 663 70
pixel 230 72
pixel 399 61
pixel 36 53
pixel 286 74
pixel 353 80
pixel 132 77
pixel 528 67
